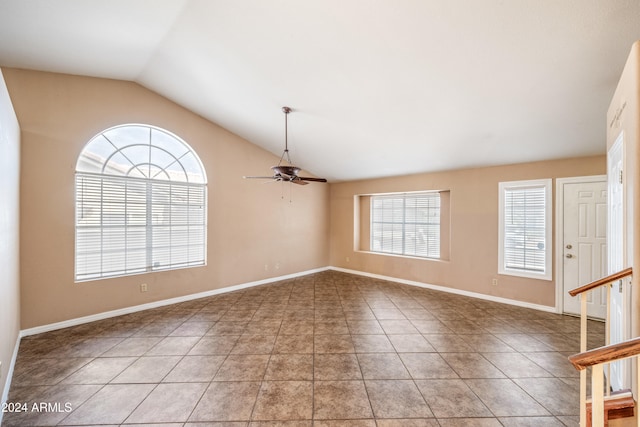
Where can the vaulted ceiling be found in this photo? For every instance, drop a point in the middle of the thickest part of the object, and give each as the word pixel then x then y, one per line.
pixel 377 87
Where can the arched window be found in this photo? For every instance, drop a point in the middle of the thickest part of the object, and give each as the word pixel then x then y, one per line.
pixel 141 204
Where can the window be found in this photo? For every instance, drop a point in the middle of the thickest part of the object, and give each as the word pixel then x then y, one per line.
pixel 406 224
pixel 141 204
pixel 525 229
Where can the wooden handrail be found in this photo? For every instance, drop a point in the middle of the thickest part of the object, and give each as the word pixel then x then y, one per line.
pixel 606 354
pixel 600 282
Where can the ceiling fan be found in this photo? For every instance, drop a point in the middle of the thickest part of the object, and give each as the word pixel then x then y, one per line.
pixel 287 172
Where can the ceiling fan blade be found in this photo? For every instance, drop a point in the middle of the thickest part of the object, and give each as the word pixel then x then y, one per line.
pixel 297 180
pixel 259 177
pixel 306 178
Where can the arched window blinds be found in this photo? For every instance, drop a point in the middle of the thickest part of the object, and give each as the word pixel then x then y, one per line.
pixel 141 204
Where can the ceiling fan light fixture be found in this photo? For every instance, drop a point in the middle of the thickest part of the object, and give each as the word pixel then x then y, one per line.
pixel 287 172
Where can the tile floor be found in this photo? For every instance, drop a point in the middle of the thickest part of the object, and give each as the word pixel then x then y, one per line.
pixel 328 349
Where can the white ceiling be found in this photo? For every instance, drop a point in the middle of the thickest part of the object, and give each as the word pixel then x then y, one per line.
pixel 377 87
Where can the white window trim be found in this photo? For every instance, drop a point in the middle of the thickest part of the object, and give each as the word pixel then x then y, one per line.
pixel 547 184
pixel 149 182
pixel 405 255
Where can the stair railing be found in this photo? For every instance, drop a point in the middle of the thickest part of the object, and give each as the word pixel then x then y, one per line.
pixel 596 359
pixel 597 371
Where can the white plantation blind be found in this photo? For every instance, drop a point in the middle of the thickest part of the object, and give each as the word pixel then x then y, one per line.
pixel 406 224
pixel 151 217
pixel 525 227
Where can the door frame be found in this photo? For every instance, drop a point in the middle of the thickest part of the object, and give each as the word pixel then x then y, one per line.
pixel 559 231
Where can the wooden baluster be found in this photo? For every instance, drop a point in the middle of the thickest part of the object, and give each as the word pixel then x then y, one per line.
pixel 597 396
pixel 583 348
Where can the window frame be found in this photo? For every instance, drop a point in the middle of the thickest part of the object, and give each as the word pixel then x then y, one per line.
pixel 503 187
pixel 404 224
pixel 178 197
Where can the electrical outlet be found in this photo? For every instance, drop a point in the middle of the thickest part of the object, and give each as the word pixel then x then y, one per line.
pixel 266 267
pixel 277 266
pixel 143 287
pixel 494 282
pixel 348 259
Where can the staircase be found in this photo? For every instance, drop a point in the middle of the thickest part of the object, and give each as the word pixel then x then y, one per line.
pixel 601 409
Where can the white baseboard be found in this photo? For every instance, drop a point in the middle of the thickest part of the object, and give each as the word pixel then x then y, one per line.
pixel 156 304
pixel 451 290
pixel 7 384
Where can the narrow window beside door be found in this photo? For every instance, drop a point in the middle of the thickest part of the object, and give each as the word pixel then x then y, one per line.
pixel 525 229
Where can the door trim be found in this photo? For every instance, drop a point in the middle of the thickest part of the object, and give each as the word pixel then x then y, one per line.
pixel 559 231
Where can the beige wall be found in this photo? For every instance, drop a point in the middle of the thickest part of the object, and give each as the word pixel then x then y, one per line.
pixel 9 239
pixel 623 116
pixel 473 251
pixel 249 224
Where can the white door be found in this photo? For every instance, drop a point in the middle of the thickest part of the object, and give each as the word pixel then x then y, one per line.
pixel 619 324
pixel 585 244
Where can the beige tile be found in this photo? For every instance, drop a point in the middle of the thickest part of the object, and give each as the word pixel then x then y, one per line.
pixel 336 367
pixel 214 345
pixel 340 400
pixel 227 328
pixel 284 400
pixel 515 365
pixel 386 366
pixel 504 398
pixel 157 329
pixel 226 401
pixel 111 405
pixel 192 329
pixel 451 399
pixel 398 327
pixel 254 344
pixel 427 366
pixel 470 422
pixel 396 399
pixel 360 327
pixel 471 365
pixel 133 347
pixel 241 367
pixel 147 370
pixel 194 369
pixel 263 327
pixel 448 343
pixel 345 423
pixel 297 327
pixel 334 327
pixel 49 371
pixel 431 327
pixel 173 346
pixel 290 367
pixel 558 397
pixel 413 422
pixel 412 343
pixel 333 344
pixel 168 403
pixel 100 371
pixel 307 423
pixel 294 344
pixel 372 344
pixel 531 422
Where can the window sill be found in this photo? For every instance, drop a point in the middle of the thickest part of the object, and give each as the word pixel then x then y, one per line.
pixel 402 256
pixel 516 273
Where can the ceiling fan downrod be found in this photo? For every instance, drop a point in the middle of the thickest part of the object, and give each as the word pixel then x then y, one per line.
pixel 286 111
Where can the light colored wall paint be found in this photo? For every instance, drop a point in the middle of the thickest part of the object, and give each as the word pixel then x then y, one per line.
pixel 623 116
pixel 250 224
pixel 9 238
pixel 473 250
